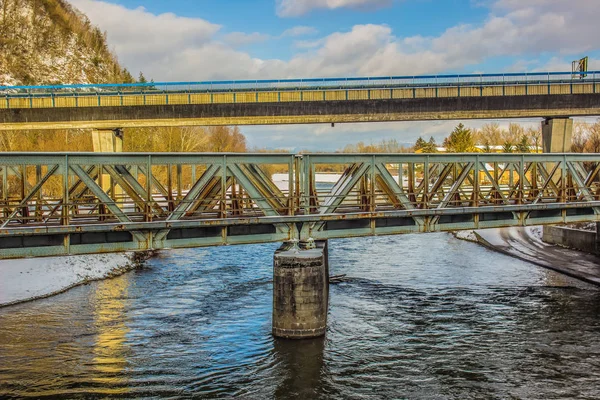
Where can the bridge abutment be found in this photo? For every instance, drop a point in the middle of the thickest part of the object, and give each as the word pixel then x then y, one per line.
pixel 557 135
pixel 300 290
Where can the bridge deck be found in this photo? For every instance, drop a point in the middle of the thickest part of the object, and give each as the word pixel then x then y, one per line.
pixel 323 100
pixel 52 204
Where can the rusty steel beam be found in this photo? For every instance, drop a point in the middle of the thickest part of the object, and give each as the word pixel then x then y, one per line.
pixel 236 201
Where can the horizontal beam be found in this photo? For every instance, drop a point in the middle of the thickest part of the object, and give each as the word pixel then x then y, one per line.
pixel 218 222
pixel 142 159
pixel 305 112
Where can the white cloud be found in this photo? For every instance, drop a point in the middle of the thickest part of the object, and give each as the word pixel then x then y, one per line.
pixel 295 8
pixel 141 38
pixel 240 39
pixel 300 30
pixel 169 47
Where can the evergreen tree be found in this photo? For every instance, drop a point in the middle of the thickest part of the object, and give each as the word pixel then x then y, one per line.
pixel 127 77
pixel 507 147
pixel 142 78
pixel 523 145
pixel 460 140
pixel 431 146
pixel 426 147
pixel 420 144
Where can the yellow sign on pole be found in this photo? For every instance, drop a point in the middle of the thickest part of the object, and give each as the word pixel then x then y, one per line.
pixel 580 68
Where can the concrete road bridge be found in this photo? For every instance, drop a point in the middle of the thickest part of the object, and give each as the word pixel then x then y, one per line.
pixel 298 101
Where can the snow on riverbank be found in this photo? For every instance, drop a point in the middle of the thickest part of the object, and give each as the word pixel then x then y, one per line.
pixel 28 279
pixel 466 235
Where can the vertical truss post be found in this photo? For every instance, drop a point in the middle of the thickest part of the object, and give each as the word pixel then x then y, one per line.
pixel 496 183
pixel 223 206
pixel 5 191
pixel 400 172
pixel 38 198
pixel 425 196
pixel 521 192
pixel 25 209
pixel 65 204
pixel 372 187
pixel 533 194
pixel 148 207
pixel 305 195
pixel 170 205
pixel 411 183
pixel 179 178
pixel 290 199
pixel 297 174
pixel 65 195
pixel 476 183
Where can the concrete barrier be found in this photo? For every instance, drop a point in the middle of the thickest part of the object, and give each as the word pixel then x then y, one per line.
pixel 572 238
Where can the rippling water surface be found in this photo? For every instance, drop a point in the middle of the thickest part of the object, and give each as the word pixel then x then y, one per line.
pixel 422 316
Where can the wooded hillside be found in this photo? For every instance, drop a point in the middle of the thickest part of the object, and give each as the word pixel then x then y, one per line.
pixel 49 42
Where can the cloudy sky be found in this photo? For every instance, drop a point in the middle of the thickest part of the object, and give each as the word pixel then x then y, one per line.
pixel 190 40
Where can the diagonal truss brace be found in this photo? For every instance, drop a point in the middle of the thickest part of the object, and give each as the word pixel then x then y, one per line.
pixel 105 198
pixel 32 193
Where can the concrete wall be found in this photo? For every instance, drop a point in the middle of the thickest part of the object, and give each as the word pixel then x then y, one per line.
pixel 303 112
pixel 571 238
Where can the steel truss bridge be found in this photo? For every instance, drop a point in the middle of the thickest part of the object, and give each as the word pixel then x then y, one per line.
pixel 315 100
pixel 57 204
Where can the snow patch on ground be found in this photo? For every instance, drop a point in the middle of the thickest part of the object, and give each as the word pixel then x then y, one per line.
pixel 466 235
pixel 28 279
pixel 586 226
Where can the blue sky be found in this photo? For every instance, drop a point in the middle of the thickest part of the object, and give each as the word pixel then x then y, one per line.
pixel 189 40
pixel 410 18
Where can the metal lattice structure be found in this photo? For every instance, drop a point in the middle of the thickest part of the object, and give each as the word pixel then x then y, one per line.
pixel 54 204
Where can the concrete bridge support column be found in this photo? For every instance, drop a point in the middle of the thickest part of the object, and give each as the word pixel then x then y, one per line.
pixel 300 290
pixel 557 135
pixel 108 141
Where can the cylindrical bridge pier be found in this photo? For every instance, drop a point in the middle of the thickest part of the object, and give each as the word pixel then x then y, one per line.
pixel 300 290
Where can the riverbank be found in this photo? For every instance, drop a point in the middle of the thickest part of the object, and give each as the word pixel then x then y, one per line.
pixel 526 244
pixel 30 279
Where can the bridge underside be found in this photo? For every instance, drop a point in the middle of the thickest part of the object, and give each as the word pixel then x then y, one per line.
pixel 305 112
pixel 93 203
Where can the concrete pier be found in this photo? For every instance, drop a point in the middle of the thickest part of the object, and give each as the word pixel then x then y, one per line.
pixel 557 135
pixel 300 291
pixel 108 141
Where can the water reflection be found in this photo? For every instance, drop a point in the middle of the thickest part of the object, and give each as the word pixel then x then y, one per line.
pixel 110 352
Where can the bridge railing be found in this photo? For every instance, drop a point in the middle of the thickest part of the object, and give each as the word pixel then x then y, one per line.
pixel 457 80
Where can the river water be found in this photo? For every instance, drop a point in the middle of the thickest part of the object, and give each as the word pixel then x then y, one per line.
pixel 422 316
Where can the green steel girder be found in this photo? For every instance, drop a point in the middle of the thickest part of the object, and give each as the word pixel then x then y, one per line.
pixel 436 192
